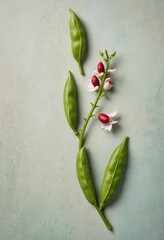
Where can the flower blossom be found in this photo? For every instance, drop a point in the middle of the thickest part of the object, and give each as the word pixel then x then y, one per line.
pixel 108 84
pixel 107 120
pixel 99 72
pixel 93 84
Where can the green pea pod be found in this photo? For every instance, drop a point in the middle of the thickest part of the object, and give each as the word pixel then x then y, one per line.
pixel 70 102
pixel 78 39
pixel 84 176
pixel 113 172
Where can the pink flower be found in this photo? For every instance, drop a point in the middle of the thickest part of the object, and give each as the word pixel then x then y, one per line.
pixel 99 72
pixel 108 84
pixel 107 120
pixel 93 84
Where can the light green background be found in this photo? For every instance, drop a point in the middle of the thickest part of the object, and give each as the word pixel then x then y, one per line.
pixel 40 198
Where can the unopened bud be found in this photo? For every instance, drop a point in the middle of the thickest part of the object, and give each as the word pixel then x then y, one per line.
pixel 100 67
pixel 101 53
pixel 113 54
pixel 95 81
pixel 106 53
pixel 103 118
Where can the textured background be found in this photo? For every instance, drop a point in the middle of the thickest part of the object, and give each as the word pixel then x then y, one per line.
pixel 39 194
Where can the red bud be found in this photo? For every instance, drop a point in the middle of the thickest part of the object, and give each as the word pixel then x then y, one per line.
pixel 100 67
pixel 103 118
pixel 95 81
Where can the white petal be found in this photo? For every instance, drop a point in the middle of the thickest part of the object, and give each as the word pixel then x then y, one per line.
pixel 89 83
pixel 90 86
pixel 97 74
pixel 112 70
pixel 101 74
pixel 107 86
pixel 113 122
pixel 106 126
pixel 92 89
pixel 113 114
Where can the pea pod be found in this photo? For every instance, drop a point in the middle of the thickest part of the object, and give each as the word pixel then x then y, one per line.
pixel 78 39
pixel 113 172
pixel 70 102
pixel 84 176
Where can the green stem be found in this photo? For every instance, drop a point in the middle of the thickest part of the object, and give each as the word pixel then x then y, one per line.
pixel 94 105
pixel 80 68
pixel 90 114
pixel 104 219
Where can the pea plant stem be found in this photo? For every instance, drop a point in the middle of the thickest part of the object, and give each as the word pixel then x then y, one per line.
pixel 100 94
pixel 81 68
pixel 94 105
pixel 104 219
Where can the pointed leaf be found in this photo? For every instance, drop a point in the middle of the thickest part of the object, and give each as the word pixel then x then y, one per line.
pixel 113 172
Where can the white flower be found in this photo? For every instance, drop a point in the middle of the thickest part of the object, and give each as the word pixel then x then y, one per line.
pixel 107 120
pixel 108 84
pixel 100 70
pixel 93 84
pixel 100 74
pixel 97 74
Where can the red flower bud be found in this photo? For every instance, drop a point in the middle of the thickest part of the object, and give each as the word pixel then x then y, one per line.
pixel 103 118
pixel 100 67
pixel 95 81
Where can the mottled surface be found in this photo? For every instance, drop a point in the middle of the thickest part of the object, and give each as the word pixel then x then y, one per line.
pixel 40 198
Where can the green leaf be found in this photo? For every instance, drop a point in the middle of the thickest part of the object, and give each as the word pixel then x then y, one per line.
pixel 113 172
pixel 84 176
pixel 70 102
pixel 78 39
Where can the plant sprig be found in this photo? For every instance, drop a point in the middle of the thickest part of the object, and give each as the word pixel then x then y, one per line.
pixel 101 93
pixel 100 83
